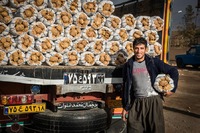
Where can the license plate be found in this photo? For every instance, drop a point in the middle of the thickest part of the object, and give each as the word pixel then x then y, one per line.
pixel 114 103
pixel 84 78
pixel 22 109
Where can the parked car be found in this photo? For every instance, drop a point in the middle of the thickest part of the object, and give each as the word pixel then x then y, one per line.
pixel 192 57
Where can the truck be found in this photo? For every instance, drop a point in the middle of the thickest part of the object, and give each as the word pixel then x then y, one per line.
pixel 191 57
pixel 59 97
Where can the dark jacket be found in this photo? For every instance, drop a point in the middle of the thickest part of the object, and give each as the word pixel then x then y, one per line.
pixel 155 66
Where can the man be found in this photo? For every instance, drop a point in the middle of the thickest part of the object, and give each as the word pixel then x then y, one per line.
pixel 140 100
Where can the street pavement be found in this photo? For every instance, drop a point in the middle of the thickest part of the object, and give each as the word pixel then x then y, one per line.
pixel 182 110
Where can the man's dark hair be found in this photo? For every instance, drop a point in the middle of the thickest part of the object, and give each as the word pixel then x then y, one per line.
pixel 140 40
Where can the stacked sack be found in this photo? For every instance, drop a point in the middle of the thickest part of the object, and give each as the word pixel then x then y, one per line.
pixel 73 32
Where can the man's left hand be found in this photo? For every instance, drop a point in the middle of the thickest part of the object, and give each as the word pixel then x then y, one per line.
pixel 166 94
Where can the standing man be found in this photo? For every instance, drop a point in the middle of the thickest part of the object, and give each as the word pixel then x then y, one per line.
pixel 140 100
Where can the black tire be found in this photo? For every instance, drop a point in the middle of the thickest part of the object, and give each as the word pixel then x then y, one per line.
pixel 82 121
pixel 180 63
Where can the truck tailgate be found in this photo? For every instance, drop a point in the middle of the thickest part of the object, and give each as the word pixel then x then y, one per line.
pixel 46 75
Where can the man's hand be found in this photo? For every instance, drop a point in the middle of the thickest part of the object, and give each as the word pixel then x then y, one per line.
pixel 166 94
pixel 124 112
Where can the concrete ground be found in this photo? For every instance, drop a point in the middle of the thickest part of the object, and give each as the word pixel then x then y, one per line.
pixel 182 110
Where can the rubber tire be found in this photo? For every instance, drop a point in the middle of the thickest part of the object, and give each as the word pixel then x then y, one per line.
pixel 180 63
pixel 83 121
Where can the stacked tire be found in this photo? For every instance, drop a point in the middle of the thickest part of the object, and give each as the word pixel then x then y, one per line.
pixel 81 121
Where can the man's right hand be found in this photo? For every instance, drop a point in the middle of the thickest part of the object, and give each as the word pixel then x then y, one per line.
pixel 124 112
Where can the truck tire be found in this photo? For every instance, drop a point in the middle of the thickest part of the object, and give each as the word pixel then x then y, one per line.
pixel 82 121
pixel 180 63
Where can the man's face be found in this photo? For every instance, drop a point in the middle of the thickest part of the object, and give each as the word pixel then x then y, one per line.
pixel 139 51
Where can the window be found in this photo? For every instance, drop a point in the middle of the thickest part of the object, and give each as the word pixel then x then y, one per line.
pixel 192 51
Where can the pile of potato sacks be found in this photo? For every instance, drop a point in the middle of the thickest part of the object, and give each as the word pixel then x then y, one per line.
pixel 72 32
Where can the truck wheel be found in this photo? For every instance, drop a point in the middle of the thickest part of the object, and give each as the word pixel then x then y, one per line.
pixel 81 121
pixel 180 63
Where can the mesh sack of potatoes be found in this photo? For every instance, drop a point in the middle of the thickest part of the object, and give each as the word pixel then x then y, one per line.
pixel 151 36
pixel 55 31
pixel 16 57
pixel 47 16
pixel 81 45
pixel 3 58
pixel 63 45
pixel 157 23
pixel 97 46
pixel 5 14
pixel 58 5
pixel 71 58
pixel 19 26
pixel 7 43
pixel 29 13
pixel 18 3
pixel 25 42
pixel 90 7
pixel 4 2
pixel 128 21
pixel 39 4
pixel 89 33
pixel 154 49
pixel 87 59
pixel 112 47
pixel 121 35
pixel 143 23
pixel 103 59
pixel 97 20
pixel 38 30
pixel 64 18
pixel 105 33
pixel 53 58
pixel 163 83
pixel 106 8
pixel 45 45
pixel 73 32
pixel 81 20
pixel 135 33
pixel 4 29
pixel 128 48
pixel 34 58
pixel 113 22
pixel 119 58
pixel 74 6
